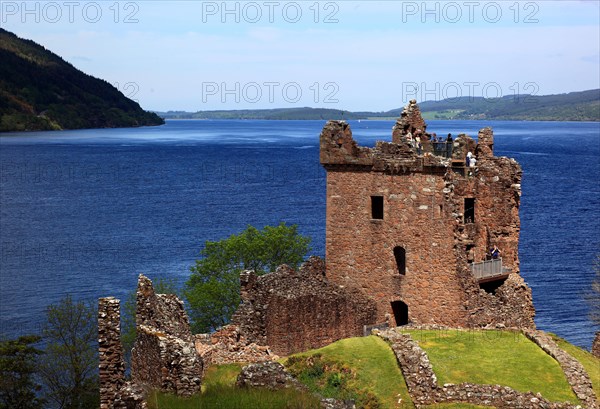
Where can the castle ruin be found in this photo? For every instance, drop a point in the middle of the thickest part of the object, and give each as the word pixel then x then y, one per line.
pixel 411 225
pixel 408 228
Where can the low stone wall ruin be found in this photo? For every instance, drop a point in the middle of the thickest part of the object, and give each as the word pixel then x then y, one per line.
pixel 575 373
pixel 424 389
pixel 596 345
pixel 272 375
pixel 293 311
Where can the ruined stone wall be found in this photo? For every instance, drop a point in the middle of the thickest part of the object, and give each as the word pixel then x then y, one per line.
pixel 110 351
pixel 496 187
pixel 292 311
pixel 164 311
pixel 596 345
pixel 164 355
pixel 410 120
pixel 115 392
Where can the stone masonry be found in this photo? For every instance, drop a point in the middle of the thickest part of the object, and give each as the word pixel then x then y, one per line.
pixel 112 367
pixel 115 392
pixel 293 311
pixel 576 374
pixel 596 345
pixel 164 356
pixel 404 226
pixel 425 390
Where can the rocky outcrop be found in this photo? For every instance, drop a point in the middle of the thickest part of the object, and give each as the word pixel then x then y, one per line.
pixel 164 355
pixel 293 311
pixel 424 389
pixel 269 375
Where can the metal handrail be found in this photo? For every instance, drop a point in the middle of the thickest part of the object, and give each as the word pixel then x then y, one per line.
pixel 487 268
pixel 443 148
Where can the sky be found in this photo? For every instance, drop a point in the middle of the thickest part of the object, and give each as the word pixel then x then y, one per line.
pixel 352 55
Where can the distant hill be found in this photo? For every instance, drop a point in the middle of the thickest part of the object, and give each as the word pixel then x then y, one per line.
pixel 41 91
pixel 574 106
pixel 276 113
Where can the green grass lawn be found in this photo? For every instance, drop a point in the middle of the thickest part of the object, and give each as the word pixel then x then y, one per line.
pixel 376 368
pixel 368 364
pixel 589 361
pixel 219 392
pixel 224 375
pixel 227 397
pixel 494 357
pixel 456 406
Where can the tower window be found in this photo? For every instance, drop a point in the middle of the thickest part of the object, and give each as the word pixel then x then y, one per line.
pixel 469 210
pixel 400 256
pixel 376 207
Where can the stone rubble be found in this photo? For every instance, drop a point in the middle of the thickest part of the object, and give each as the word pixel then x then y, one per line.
pixel 227 345
pixel 273 376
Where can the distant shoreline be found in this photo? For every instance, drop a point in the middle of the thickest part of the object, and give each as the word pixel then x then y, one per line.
pixel 373 119
pixel 583 106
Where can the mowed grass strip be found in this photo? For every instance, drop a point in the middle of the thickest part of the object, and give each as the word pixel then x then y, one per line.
pixel 376 368
pixel 494 357
pixel 589 361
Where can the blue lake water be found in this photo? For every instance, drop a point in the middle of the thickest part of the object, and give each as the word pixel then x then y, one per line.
pixel 84 212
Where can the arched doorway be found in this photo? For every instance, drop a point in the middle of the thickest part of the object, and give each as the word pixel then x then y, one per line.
pixel 400 310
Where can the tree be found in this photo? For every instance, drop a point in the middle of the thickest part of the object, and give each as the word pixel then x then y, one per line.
pixel 213 289
pixel 69 366
pixel 17 368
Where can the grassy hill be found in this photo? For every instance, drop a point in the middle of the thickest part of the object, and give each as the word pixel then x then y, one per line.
pixel 365 369
pixel 41 91
pixel 276 113
pixel 575 106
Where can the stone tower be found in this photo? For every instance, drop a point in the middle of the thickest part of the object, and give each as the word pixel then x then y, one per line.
pixel 412 226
